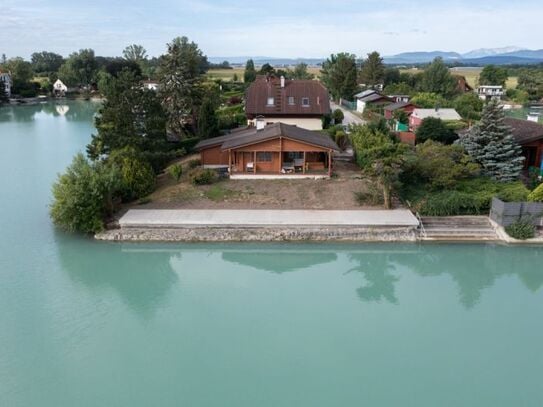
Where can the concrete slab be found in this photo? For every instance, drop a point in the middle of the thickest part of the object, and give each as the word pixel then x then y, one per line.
pixel 179 218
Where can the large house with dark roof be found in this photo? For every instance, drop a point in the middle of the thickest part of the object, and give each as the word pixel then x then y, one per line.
pixel 276 150
pixel 302 103
pixel 530 136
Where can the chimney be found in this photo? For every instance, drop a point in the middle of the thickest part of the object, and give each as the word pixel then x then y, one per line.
pixel 260 123
pixel 282 81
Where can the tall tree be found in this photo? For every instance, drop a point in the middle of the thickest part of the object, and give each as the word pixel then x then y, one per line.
pixel 266 69
pixel 373 70
pixel 493 75
pixel 135 53
pixel 339 75
pixel 181 76
pixel 491 144
pixel 208 123
pixel 130 116
pixel 438 79
pixel 300 72
pixel 21 74
pixel 80 68
pixel 250 72
pixel 46 62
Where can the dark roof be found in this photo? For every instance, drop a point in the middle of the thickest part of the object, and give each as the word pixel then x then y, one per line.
pixel 524 131
pixel 271 131
pixel 399 105
pixel 374 97
pixel 256 97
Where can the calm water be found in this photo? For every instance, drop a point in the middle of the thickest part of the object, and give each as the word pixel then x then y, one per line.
pixel 92 324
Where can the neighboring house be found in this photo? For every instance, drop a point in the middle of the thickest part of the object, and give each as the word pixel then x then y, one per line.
pixel 6 78
pixel 152 85
pixel 59 88
pixel 407 107
pixel 278 149
pixel 418 115
pixel 302 103
pixel 370 98
pixel 463 85
pixel 530 136
pixel 400 98
pixel 488 92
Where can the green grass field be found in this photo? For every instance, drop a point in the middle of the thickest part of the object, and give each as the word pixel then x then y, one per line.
pixel 228 74
pixel 472 75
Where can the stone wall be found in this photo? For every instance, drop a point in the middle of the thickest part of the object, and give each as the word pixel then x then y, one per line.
pixel 506 213
pixel 261 234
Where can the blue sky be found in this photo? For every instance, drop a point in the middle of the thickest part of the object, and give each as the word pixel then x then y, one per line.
pixel 295 28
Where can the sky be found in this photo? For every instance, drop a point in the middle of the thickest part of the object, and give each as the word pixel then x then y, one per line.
pixel 283 28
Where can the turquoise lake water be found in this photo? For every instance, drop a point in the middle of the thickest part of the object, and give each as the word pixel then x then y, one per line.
pixel 84 323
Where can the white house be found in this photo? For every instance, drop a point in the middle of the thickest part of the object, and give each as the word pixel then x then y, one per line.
pixel 151 85
pixel 59 88
pixel 370 97
pixel 6 78
pixel 488 92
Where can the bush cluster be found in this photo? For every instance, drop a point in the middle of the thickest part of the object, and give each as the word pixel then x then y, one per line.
pixel 201 176
pixel 522 229
pixel 536 195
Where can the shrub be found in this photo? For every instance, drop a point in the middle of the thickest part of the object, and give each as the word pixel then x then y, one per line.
pixel 175 171
pixel 536 195
pixel 83 196
pixel 326 120
pixel 440 166
pixel 136 174
pixel 513 192
pixel 341 139
pixel 450 203
pixel 194 163
pixel 201 176
pixel 338 116
pixel 435 129
pixel 522 229
pixel 372 196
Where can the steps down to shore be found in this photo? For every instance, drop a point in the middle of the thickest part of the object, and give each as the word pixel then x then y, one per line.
pixel 457 228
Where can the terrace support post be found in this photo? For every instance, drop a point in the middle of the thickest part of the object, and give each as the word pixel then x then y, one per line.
pixel 329 163
pixel 229 161
pixel 303 168
pixel 280 154
pixel 254 162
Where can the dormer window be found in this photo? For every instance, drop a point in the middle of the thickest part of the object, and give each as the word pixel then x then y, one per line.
pixel 305 102
pixel 270 102
pixel 291 100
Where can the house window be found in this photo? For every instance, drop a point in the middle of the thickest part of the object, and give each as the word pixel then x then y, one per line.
pixel 295 155
pixel 263 157
pixel 291 100
pixel 270 102
pixel 305 102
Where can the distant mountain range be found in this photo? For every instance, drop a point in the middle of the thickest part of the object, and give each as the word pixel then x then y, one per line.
pixel 498 56
pixel 484 56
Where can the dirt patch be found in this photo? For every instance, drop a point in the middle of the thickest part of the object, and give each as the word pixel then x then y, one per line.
pixel 337 192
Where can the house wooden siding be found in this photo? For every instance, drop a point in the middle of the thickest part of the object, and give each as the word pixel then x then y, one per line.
pixel 214 156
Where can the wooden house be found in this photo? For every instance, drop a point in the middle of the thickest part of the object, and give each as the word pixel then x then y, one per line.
pixel 278 149
pixel 530 136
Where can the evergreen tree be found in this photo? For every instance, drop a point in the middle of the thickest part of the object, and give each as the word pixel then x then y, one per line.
pixel 438 79
pixel 208 124
pixel 373 70
pixel 130 116
pixel 339 75
pixel 491 144
pixel 181 76
pixel 250 72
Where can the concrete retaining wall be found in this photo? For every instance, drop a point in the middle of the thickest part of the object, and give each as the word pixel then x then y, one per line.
pixel 506 213
pixel 261 234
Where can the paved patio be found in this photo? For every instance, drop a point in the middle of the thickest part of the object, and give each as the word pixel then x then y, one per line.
pixel 181 218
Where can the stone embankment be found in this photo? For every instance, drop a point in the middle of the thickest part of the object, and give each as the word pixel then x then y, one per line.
pixel 264 226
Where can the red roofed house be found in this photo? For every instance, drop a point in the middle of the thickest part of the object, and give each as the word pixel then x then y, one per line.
pixel 302 103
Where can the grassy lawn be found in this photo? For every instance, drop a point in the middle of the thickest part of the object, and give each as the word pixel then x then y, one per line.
pixel 471 74
pixel 335 193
